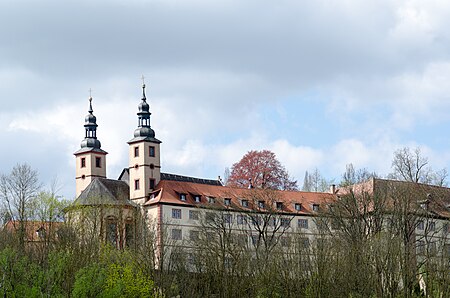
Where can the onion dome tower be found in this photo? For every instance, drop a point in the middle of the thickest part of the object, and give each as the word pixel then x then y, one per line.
pixel 144 156
pixel 90 158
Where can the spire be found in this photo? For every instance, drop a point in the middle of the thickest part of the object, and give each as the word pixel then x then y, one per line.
pixel 143 92
pixel 90 126
pixel 144 129
pixel 90 105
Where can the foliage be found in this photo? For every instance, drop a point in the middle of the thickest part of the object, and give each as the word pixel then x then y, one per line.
pixel 115 274
pixel 260 169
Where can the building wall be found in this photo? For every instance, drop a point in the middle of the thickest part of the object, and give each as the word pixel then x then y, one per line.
pixel 85 175
pixel 140 168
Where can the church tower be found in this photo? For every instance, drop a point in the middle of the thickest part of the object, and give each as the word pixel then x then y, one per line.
pixel 144 156
pixel 90 159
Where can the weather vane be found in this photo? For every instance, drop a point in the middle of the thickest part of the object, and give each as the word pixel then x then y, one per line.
pixel 90 93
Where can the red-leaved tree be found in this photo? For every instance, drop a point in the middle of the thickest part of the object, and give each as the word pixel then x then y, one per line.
pixel 260 169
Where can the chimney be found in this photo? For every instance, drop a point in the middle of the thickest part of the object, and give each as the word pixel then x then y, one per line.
pixel 333 188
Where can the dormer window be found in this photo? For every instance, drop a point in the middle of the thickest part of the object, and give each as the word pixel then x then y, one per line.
pixel 315 207
pixel 183 197
pixel 211 200
pixel 244 203
pixel 261 204
pixel 279 205
pixel 298 207
pixel 227 202
pixel 197 198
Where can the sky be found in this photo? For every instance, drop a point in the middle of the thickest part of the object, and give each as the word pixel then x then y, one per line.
pixel 320 83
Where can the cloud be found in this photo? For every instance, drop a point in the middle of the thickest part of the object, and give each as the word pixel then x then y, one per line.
pixel 366 78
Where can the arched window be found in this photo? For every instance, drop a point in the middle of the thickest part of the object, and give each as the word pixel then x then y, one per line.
pixel 129 232
pixel 111 230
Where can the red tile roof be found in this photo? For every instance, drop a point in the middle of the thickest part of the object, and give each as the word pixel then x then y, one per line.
pixel 169 192
pixel 32 228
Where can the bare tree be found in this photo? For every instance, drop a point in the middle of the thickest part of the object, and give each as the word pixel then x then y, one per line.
pixel 18 191
pixel 412 166
pixel 352 176
pixel 315 182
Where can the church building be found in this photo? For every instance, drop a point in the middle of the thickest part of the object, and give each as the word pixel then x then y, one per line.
pixel 178 206
pixel 174 201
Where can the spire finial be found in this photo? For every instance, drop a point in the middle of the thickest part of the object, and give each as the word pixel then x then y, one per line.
pixel 143 87
pixel 90 101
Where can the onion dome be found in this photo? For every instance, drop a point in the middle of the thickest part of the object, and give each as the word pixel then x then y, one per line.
pixel 90 126
pixel 144 129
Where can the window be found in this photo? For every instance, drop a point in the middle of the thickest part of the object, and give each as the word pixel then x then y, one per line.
pixel 227 218
pixel 256 220
pixel 273 222
pixel 136 184
pixel 197 198
pixel 298 207
pixel 227 202
pixel 315 207
pixel 241 240
pixel 244 203
pixel 285 241
pixel 151 151
pixel 83 162
pixel 136 151
pixel 431 226
pixel 445 228
pixel 41 232
pixel 183 196
pixel 176 213
pixel 261 204
pixel 210 217
pixel 432 249
pixel 129 234
pixel 279 205
pixel 176 234
pixel 285 222
pixel 191 259
pixel 98 162
pixel 302 223
pixel 111 232
pixel 152 183
pixel 420 225
pixel 304 243
pixel 211 200
pixel 193 214
pixel 255 240
pixel 241 219
pixel 194 235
